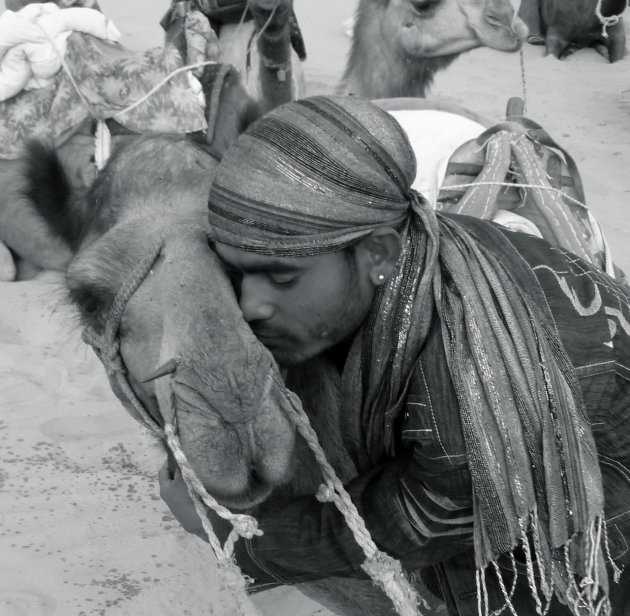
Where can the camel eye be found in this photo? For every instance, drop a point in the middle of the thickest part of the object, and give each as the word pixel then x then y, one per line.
pixel 422 6
pixel 91 302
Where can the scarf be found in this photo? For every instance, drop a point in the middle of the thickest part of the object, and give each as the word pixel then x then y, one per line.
pixel 318 174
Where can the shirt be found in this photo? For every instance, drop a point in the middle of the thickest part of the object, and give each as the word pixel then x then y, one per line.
pixel 417 505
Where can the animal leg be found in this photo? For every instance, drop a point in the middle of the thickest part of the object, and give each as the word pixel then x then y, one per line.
pixel 616 42
pixel 530 14
pixel 556 45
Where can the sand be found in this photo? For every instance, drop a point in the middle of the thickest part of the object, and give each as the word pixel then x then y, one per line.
pixel 83 531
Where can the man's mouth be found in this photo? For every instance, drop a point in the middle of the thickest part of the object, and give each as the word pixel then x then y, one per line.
pixel 268 338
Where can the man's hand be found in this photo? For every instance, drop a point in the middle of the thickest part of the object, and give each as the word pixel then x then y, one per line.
pixel 174 493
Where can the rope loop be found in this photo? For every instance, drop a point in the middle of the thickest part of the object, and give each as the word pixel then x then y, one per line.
pixel 606 20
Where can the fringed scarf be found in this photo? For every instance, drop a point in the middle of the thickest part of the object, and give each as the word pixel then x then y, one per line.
pixel 315 176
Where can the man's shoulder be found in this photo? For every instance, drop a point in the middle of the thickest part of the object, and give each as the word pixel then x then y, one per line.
pixel 590 308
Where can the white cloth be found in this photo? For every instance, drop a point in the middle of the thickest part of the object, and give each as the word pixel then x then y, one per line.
pixel 434 136
pixel 33 42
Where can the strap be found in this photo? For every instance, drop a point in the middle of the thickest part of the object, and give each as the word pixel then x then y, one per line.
pixel 538 134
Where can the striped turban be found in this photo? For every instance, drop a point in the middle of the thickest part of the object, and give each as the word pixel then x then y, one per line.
pixel 318 174
pixel 311 177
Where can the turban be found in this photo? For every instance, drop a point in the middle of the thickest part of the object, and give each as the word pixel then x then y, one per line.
pixel 318 174
pixel 311 177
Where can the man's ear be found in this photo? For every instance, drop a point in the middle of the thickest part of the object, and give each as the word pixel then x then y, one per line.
pixel 378 253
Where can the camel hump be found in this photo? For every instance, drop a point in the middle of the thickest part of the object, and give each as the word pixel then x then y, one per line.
pixel 49 191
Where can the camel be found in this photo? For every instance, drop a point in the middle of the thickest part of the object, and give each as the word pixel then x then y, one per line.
pixel 565 27
pixel 399 45
pixel 148 208
pixel 244 90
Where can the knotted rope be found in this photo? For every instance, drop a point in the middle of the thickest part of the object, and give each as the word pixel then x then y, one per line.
pixel 385 571
pixel 107 348
pixel 606 20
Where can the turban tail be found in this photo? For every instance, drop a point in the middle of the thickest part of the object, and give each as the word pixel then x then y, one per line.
pixel 318 174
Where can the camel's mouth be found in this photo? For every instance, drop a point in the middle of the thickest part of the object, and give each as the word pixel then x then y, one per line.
pixel 256 492
pixel 497 33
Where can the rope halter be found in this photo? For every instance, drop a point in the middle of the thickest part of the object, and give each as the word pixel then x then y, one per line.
pixel 385 571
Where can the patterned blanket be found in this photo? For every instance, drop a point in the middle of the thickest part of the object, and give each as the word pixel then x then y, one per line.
pixel 110 79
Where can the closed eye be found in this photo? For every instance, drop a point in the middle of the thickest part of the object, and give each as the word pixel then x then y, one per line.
pixel 422 6
pixel 283 279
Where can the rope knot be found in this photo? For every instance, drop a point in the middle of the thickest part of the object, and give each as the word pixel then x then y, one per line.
pixel 388 574
pixel 245 526
pixel 107 352
pixel 230 577
pixel 382 567
pixel 325 494
pixel 111 359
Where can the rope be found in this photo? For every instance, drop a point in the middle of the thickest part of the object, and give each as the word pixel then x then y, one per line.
pixel 606 20
pixel 521 54
pixel 107 348
pixel 164 81
pixel 257 36
pixel 514 185
pixel 102 138
pixel 385 571
pixel 243 525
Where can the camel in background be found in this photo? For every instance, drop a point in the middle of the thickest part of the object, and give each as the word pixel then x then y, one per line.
pixel 565 27
pixel 399 45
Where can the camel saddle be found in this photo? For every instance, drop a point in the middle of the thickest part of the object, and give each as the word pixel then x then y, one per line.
pixel 516 174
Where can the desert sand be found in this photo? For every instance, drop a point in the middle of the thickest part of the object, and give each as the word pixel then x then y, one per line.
pixel 83 531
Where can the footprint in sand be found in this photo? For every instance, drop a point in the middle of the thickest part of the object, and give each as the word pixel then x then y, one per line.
pixel 26 603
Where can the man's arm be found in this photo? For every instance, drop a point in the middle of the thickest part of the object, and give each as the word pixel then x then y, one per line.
pixel 305 539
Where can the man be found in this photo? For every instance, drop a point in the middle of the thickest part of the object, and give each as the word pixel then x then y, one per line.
pixel 480 370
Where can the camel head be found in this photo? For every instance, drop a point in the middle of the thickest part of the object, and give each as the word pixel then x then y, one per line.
pixel 431 28
pixel 184 349
pixel 399 45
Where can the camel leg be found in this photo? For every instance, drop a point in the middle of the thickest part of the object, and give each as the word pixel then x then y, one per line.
pixel 616 42
pixel 272 19
pixel 530 14
pixel 555 44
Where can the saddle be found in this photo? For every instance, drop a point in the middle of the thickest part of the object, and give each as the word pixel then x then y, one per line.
pixel 516 174
pixel 511 172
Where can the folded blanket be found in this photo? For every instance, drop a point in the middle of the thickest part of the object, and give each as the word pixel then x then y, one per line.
pixel 110 79
pixel 33 43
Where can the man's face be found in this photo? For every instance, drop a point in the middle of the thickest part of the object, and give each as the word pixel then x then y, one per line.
pixel 299 306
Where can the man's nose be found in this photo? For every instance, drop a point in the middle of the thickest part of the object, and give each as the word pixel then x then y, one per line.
pixel 254 300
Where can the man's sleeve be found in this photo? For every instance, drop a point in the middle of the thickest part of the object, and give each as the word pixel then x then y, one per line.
pixel 305 539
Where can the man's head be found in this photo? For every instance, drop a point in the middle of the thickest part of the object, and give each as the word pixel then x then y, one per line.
pixel 300 306
pixel 306 212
